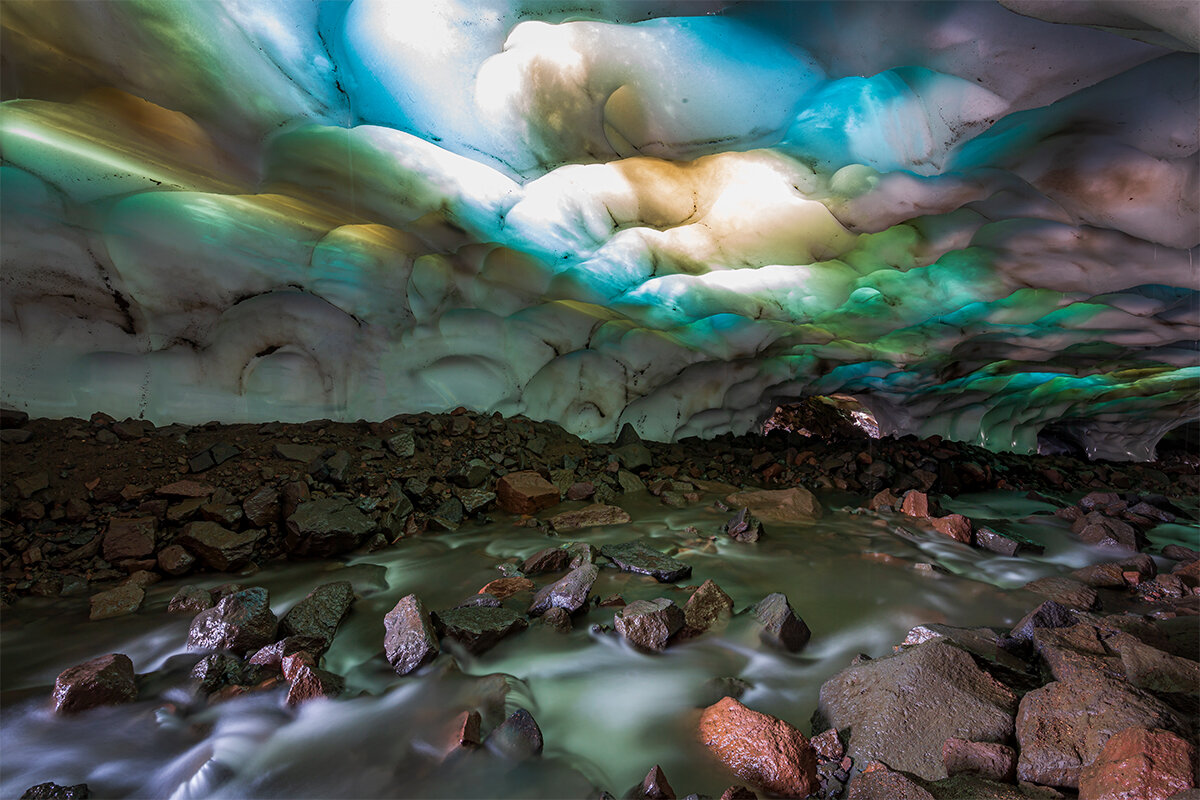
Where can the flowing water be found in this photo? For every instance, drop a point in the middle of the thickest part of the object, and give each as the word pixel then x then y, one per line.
pixel 608 712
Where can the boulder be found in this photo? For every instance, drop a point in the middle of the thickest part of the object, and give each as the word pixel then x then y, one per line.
pixel 568 593
pixel 409 641
pixel 708 606
pixel 525 492
pixel 103 681
pixel 637 556
pixel 991 760
pixel 902 709
pixel 478 628
pixel 116 602
pixel 1140 764
pixel 220 548
pixel 1005 544
pixel 129 538
pixel 648 624
pixel 241 622
pixel 589 516
pixel 759 748
pixel 915 504
pixel 326 527
pixel 796 504
pixel 781 627
pixel 319 613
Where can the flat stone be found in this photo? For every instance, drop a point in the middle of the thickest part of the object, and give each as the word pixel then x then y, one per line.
pixel 319 613
pixel 409 641
pixel 1066 592
pixel 570 593
pixel 104 681
pixel 504 588
pixel 1140 764
pixel 759 748
pixel 781 626
pixel 708 607
pixel 525 492
pixel 1112 574
pixel 304 453
pixel 895 708
pixel 326 527
pixel 589 516
pixel 478 628
pixel 518 738
pixel 637 556
pixel 186 488
pixel 116 602
pixel 218 547
pixel 796 504
pixel 991 760
pixel 241 622
pixel 648 624
pixel 552 559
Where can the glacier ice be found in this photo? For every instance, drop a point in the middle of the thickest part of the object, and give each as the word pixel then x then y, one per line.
pixel 671 214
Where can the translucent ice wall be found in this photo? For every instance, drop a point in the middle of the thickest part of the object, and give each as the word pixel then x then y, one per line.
pixel 979 219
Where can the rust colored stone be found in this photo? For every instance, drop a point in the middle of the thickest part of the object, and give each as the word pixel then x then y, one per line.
pixel 915 504
pixel 525 492
pixel 759 748
pixel 956 526
pixel 997 762
pixel 796 504
pixel 504 588
pixel 1139 764
pixel 104 681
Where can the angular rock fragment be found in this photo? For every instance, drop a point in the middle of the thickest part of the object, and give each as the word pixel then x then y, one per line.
pixel 796 504
pixel 1067 592
pixel 877 782
pixel 504 588
pixel 781 627
pixel 218 547
pixel 1140 764
pixel 654 786
pixel 478 628
pixel 997 762
pixel 759 748
pixel 103 681
pixel 589 516
pixel 1048 615
pixel 518 738
pixel 744 527
pixel 262 506
pixel 409 641
pixel 915 504
pixel 525 492
pixel 557 618
pixel 955 526
pixel 241 622
pixel 174 560
pixel 552 559
pixel 129 538
pixel 309 683
pixel 708 606
pixel 569 593
pixel 272 656
pixel 53 791
pixel 326 527
pixel 116 602
pixel 648 624
pixel 190 600
pixel 637 556
pixel 1005 544
pixel 319 613
pixel 217 670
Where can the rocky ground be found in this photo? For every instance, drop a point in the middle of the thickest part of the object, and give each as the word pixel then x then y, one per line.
pixel 1072 699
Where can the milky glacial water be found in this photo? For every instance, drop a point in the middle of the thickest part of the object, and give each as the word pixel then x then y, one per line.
pixel 608 712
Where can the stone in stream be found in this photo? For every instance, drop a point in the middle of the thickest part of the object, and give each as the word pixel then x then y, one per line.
pixel 552 559
pixel 272 655
pixel 557 618
pixel 653 787
pixel 759 748
pixel 590 516
pixel 308 683
pixel 796 504
pixel 955 526
pixel 902 709
pixel 1005 544
pixel 103 681
pixel 1113 573
pixel 478 628
pixel 504 588
pixel 648 624
pixel 409 641
pixel 218 547
pixel 744 527
pixel 915 504
pixel 525 492
pixel 319 613
pixel 1139 764
pixel 581 553
pixel 518 738
pixel 781 627
pixel 217 670
pixel 116 602
pixel 190 600
pixel 569 593
pixel 53 791
pixel 1065 591
pixel 707 606
pixel 326 527
pixel 637 556
pixel 241 622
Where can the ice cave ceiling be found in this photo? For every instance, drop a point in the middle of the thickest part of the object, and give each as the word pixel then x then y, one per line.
pixel 979 219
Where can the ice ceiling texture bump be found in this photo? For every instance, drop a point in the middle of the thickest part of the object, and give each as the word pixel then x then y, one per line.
pixel 979 219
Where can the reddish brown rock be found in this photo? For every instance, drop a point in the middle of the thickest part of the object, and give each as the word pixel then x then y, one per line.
pixel 186 488
pixel 589 516
pixel 886 499
pixel 708 606
pixel 581 490
pixel 174 560
pixel 915 504
pixel 878 782
pixel 462 733
pixel 796 504
pixel 129 538
pixel 262 506
pixel 759 748
pixel 552 559
pixel 1067 592
pixel 525 492
pixel 991 760
pixel 1139 764
pixel 273 655
pixel 655 786
pixel 104 681
pixel 504 588
pixel 116 602
pixel 190 600
pixel 829 745
pixel 218 547
pixel 309 683
pixel 956 526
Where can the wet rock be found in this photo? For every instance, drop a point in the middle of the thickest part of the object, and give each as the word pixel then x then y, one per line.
pixel 326 527
pixel 557 618
pixel 462 733
pixel 319 613
pixel 189 600
pixel 744 527
pixel 1063 726
pixel 637 556
pixel 956 526
pixel 217 670
pixel 1075 652
pixel 1048 615
pixel 896 708
pixel 525 492
pixel 504 588
pixel 589 516
pixel 309 683
pixel 409 641
pixel 1005 544
pixel 518 738
pixel 1150 668
pixel 738 793
pixel 478 628
pixel 781 627
pixel 648 624
pixel 654 786
pixel 829 745
pixel 218 547
pixel 1066 592
pixel 707 607
pixel 116 602
pixel 1113 573
pixel 241 623
pixel 1178 552
pixel 175 560
pixel 53 791
pixel 581 553
pixel 272 656
pixel 129 538
pixel 1140 764
pixel 569 593
pixel 877 782
pixel 104 681
pixel 262 506
pixel 991 760
pixel 552 559
pixel 915 504
pixel 885 500
pixel 759 748
pixel 779 505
